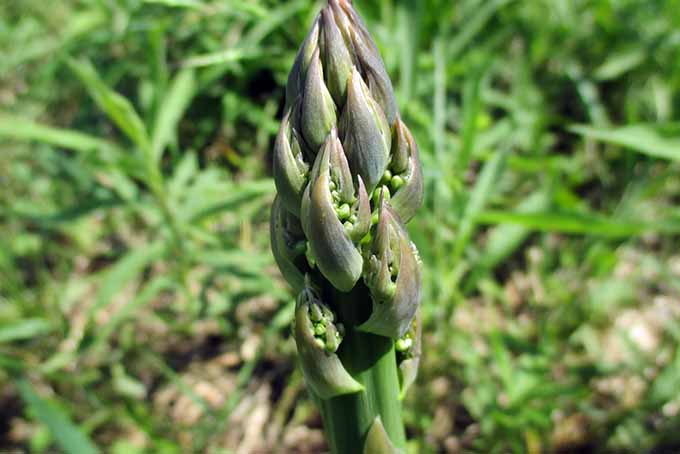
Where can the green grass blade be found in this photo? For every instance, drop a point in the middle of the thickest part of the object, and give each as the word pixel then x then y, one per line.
pixel 45 45
pixel 478 198
pixel 656 140
pixel 143 297
pixel 66 434
pixel 471 109
pixel 117 108
pixel 574 223
pixel 506 238
pixel 233 55
pixel 473 26
pixel 192 4
pixel 174 105
pixel 15 128
pixel 24 329
pixel 124 271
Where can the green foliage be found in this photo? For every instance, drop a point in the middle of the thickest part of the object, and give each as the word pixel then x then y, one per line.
pixel 140 307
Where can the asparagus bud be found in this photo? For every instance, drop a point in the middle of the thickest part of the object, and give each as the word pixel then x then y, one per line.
pixel 348 175
pixel 406 176
pixel 298 73
pixel 393 276
pixel 318 114
pixel 366 133
pixel 318 336
pixel 331 204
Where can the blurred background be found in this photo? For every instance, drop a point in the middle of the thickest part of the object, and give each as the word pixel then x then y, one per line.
pixel 140 308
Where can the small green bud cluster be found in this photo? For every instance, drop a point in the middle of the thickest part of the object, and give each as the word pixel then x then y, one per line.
pixel 327 334
pixel 403 344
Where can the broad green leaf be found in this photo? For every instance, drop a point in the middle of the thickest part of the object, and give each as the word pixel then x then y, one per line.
pixel 170 113
pixel 15 128
pixel 24 329
pixel 116 107
pixel 655 140
pixel 575 223
pixel 65 432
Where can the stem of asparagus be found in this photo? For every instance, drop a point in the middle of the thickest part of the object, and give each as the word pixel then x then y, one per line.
pixel 371 360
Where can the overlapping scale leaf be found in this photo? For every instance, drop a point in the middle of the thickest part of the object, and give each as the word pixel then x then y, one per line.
pixel 318 336
pixel 298 74
pixel 288 245
pixel 290 170
pixel 365 133
pixel 366 56
pixel 336 216
pixel 393 276
pixel 318 111
pixel 404 177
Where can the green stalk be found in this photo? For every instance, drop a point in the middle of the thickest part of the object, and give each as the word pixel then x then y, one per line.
pixel 371 360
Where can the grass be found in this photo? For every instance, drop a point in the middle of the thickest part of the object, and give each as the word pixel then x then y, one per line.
pixel 140 309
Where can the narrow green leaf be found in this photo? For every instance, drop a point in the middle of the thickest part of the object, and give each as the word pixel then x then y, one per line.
pixel 655 140
pixel 126 312
pixel 67 435
pixel 472 26
pixel 219 58
pixel 665 386
pixel 505 239
pixel 48 45
pixel 471 109
pixel 15 128
pixel 483 188
pixel 193 4
pixel 24 329
pixel 620 63
pixel 124 271
pixel 116 107
pixel 67 214
pixel 576 223
pixel 10 364
pixel 174 104
pixel 185 171
pixel 198 210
